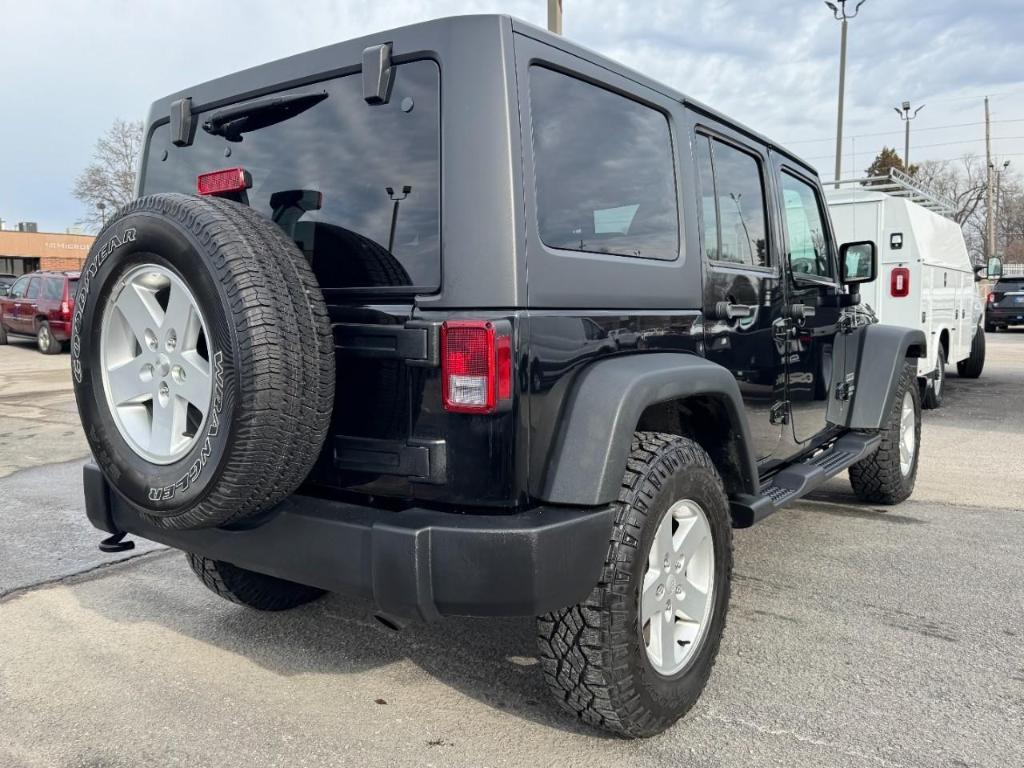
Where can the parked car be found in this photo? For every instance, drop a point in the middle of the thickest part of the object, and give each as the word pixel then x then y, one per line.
pixel 40 305
pixel 6 281
pixel 295 379
pixel 1005 305
pixel 926 279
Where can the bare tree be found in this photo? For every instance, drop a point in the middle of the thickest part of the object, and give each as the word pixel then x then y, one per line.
pixel 108 182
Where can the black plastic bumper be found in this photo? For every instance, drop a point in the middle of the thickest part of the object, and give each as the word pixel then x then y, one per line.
pixel 1000 315
pixel 415 564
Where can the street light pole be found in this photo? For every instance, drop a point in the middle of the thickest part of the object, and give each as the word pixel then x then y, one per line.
pixel 904 112
pixel 840 14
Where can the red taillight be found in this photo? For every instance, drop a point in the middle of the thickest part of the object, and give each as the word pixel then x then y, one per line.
pixel 991 298
pixel 223 182
pixel 65 310
pixel 476 366
pixel 899 282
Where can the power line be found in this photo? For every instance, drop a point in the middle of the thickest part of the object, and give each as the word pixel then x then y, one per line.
pixel 896 133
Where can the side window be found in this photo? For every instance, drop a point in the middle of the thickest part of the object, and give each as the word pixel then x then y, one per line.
pixel 732 203
pixel 709 207
pixel 35 286
pixel 805 229
pixel 18 289
pixel 604 170
pixel 54 289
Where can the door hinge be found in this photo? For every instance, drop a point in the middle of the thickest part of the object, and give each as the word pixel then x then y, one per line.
pixel 845 390
pixel 779 413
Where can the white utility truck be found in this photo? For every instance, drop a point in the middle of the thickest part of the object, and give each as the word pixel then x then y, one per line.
pixel 925 277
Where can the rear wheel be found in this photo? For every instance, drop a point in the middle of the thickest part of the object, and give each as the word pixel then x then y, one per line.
pixel 248 588
pixel 45 341
pixel 888 475
pixel 3 334
pixel 636 654
pixel 971 367
pixel 933 388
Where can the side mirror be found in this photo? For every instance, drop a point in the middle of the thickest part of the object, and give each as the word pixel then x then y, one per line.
pixel 858 262
pixel 994 270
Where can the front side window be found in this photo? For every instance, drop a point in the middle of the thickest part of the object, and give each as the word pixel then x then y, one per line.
pixel 18 291
pixel 733 204
pixel 805 229
pixel 605 175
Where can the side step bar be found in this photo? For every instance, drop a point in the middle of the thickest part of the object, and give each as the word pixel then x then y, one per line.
pixel 797 480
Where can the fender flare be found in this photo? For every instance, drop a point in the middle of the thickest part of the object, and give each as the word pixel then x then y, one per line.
pixel 608 399
pixel 878 353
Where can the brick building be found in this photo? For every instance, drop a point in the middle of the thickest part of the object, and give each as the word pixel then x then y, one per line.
pixel 22 252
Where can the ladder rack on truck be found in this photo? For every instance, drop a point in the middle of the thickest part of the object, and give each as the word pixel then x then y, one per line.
pixel 900 184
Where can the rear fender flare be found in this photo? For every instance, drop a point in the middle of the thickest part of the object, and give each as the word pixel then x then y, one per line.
pixel 609 397
pixel 875 356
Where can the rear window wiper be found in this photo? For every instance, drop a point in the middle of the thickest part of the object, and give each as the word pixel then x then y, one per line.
pixel 232 122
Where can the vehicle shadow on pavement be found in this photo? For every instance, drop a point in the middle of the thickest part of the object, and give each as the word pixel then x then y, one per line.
pixel 493 661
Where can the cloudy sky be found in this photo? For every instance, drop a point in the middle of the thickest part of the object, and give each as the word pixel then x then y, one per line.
pixel 67 69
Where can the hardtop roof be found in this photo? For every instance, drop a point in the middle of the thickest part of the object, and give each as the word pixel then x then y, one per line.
pixel 314 64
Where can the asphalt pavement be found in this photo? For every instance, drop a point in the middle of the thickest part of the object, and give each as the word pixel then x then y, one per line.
pixel 857 635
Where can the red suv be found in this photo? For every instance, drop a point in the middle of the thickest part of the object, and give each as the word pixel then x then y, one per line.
pixel 40 304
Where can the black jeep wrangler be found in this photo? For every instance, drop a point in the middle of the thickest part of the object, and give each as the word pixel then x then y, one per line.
pixel 466 319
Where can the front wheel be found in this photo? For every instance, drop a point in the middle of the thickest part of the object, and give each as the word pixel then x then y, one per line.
pixel 636 654
pixel 888 475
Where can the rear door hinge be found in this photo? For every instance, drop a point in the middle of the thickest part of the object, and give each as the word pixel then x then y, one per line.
pixel 845 390
pixel 779 413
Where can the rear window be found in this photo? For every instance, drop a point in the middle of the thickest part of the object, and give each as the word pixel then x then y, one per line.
pixel 604 170
pixel 72 287
pixel 374 171
pixel 1006 285
pixel 54 289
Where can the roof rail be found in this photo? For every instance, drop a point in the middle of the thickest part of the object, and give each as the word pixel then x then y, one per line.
pixel 900 184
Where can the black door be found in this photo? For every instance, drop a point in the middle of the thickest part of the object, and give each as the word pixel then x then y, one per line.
pixel 742 291
pixel 811 314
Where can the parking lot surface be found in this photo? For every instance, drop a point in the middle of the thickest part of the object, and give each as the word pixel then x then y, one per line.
pixel 857 635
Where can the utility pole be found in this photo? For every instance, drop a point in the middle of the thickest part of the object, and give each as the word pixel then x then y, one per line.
pixel 988 186
pixel 840 14
pixel 906 117
pixel 999 190
pixel 555 16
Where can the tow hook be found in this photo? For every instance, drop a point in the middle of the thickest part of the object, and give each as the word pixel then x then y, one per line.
pixel 115 543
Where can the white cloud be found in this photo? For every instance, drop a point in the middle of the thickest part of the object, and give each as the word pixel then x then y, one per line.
pixel 68 69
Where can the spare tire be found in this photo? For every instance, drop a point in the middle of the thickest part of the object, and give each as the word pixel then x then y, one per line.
pixel 202 359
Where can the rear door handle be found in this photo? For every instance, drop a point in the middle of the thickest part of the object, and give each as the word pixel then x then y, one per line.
pixel 727 311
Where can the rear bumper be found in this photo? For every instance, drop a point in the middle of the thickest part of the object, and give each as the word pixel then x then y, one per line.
pixel 414 564
pixel 1012 315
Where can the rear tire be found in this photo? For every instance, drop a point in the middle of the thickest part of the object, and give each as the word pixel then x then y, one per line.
pixel 3 334
pixel 972 367
pixel 884 477
pixel 248 588
pixel 597 656
pixel 45 342
pixel 934 388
